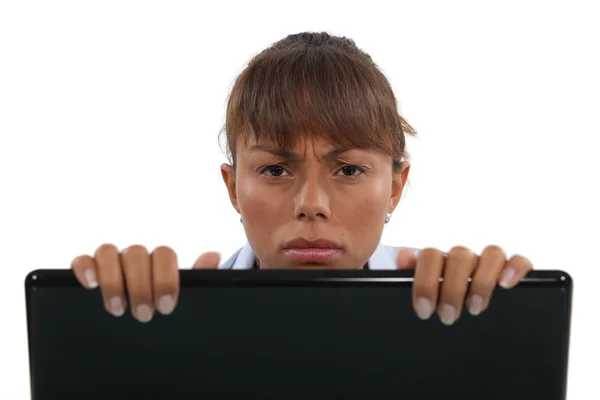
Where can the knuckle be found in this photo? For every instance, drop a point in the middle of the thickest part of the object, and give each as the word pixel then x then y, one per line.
pixel 461 251
pixel 522 263
pixel 135 259
pixel 430 257
pixel 134 267
pixel 136 249
pixel 106 248
pixel 79 261
pixel 163 256
pixel 495 251
pixel 430 252
pixel 163 250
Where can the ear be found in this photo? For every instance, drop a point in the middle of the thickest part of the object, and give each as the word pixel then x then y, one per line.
pixel 228 174
pixel 398 181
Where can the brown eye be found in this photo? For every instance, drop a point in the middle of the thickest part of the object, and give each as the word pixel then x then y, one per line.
pixel 273 170
pixel 276 170
pixel 351 170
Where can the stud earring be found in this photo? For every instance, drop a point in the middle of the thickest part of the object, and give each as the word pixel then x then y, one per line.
pixel 388 217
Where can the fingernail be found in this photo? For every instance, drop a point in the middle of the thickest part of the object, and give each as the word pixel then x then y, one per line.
pixel 448 314
pixel 90 277
pixel 143 313
pixel 116 306
pixel 165 305
pixel 424 308
pixel 507 278
pixel 476 305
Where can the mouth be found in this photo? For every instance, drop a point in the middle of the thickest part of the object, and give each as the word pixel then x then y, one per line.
pixel 319 251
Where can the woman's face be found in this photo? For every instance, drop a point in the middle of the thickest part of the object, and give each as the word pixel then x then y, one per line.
pixel 314 206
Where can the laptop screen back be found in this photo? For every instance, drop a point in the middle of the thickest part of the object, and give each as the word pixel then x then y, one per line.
pixel 233 338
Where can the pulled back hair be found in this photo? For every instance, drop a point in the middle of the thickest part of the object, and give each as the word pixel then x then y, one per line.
pixel 320 85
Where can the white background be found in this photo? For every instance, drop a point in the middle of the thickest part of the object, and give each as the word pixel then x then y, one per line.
pixel 110 111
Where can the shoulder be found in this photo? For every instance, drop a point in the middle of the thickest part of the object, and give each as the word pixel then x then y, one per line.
pixel 241 259
pixel 385 257
pixel 393 250
pixel 228 264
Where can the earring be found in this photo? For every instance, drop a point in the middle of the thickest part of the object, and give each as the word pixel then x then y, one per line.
pixel 388 217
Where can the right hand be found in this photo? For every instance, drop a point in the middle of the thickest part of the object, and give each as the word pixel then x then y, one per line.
pixel 151 279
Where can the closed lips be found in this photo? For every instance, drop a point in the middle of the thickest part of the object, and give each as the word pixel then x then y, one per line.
pixel 312 252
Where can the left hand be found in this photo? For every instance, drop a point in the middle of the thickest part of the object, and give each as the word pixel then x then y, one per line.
pixel 487 271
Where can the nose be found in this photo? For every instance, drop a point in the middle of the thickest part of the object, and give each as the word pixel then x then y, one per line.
pixel 312 200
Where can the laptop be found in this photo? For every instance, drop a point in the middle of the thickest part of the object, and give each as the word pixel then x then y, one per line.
pixel 298 335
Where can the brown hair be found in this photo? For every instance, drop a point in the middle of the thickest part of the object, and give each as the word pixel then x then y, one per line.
pixel 316 84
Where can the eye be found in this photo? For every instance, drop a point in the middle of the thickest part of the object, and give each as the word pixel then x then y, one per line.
pixel 273 170
pixel 351 171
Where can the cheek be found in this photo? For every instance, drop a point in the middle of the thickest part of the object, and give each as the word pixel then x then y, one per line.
pixel 257 205
pixel 263 213
pixel 365 207
pixel 363 220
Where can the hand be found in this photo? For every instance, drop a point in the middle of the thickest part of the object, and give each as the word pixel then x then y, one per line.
pixel 152 280
pixel 488 270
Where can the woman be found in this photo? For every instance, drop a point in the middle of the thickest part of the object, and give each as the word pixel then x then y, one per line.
pixel 317 166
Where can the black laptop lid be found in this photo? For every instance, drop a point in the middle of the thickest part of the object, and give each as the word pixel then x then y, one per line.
pixel 298 334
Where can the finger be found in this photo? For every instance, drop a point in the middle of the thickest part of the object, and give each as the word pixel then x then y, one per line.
pixel 165 279
pixel 485 279
pixel 428 271
pixel 136 266
pixel 516 268
pixel 406 259
pixel 460 264
pixel 84 268
pixel 110 278
pixel 208 260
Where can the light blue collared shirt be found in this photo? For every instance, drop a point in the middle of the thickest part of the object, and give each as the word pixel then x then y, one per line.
pixel 384 258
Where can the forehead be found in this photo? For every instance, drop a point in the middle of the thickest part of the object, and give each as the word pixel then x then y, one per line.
pixel 320 147
pixel 296 142
pixel 299 141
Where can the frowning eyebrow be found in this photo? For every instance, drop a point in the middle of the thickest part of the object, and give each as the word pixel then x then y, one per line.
pixel 289 155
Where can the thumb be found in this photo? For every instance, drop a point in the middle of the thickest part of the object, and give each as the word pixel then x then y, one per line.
pixel 406 259
pixel 208 260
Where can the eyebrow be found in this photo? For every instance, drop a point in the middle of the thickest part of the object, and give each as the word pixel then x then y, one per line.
pixel 290 155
